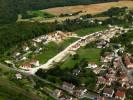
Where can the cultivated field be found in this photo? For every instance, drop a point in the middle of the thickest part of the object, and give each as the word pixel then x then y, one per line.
pixel 91 9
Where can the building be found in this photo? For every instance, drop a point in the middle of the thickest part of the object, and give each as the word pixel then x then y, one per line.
pixel 25 66
pixel 18 76
pixel 101 80
pixel 79 92
pixel 35 62
pixel 97 70
pixel 108 92
pixel 57 93
pixel 68 87
pixel 120 95
pixel 92 65
pixel 116 63
pixel 128 62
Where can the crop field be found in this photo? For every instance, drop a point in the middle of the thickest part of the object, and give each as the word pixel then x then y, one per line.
pixel 90 9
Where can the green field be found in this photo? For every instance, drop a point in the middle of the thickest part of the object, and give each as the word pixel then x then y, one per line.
pixel 9 90
pixel 90 54
pixel 37 15
pixel 51 49
pixel 88 30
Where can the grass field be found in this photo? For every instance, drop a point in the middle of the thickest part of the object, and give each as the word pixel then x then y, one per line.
pixel 90 54
pixel 90 9
pixel 51 49
pixel 88 30
pixel 11 91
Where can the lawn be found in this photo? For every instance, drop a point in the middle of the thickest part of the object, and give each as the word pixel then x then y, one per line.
pixel 40 14
pixel 90 54
pixel 48 52
pixel 51 49
pixel 88 30
pixel 69 63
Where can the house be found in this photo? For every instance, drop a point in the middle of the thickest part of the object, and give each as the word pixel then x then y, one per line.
pixel 17 54
pixel 97 70
pixel 24 58
pixel 18 76
pixel 26 66
pixel 8 62
pixel 132 42
pixel 111 71
pixel 111 77
pixel 120 95
pixel 26 48
pixel 124 78
pixel 76 71
pixel 102 44
pixel 35 62
pixel 116 62
pixel 79 92
pixel 68 87
pixel 57 93
pixel 100 98
pixel 128 62
pixel 101 80
pixel 38 40
pixel 107 57
pixel 92 65
pixel 108 92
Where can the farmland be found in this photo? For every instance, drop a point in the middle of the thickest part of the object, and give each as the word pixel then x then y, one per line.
pixel 54 14
pixel 91 9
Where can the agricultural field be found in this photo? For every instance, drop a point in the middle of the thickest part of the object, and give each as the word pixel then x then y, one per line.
pixel 54 14
pixel 89 9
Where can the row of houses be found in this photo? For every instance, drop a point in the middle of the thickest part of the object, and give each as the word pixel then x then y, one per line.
pixel 72 89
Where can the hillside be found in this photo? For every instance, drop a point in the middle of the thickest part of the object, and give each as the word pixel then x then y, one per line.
pixel 9 9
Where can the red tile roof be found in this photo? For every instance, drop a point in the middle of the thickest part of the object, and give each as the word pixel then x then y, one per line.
pixel 26 65
pixel 120 93
pixel 127 60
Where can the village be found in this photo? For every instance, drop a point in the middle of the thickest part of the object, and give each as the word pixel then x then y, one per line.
pixel 114 76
